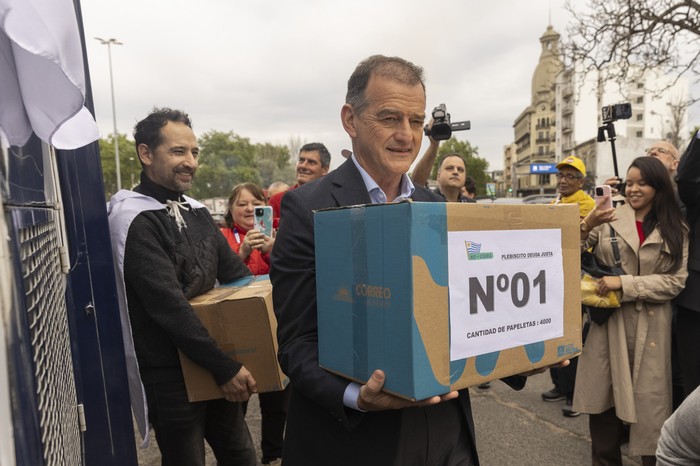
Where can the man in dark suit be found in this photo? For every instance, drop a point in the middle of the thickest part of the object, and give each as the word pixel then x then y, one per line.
pixel 687 303
pixel 332 420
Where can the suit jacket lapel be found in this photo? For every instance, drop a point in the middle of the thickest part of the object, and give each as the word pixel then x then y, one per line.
pixel 349 187
pixel 420 195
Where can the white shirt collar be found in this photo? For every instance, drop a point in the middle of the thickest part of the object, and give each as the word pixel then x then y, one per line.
pixel 376 195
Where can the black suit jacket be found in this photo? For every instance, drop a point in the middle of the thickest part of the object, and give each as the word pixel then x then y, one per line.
pixel 688 182
pixel 320 429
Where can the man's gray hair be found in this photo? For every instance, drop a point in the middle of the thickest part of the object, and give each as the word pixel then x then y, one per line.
pixel 378 65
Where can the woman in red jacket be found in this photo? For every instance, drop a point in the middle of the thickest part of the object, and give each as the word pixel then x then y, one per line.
pixel 252 246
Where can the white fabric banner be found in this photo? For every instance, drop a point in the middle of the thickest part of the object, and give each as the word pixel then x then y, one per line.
pixel 42 80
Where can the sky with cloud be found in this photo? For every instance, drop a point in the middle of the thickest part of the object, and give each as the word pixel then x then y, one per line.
pixel 275 70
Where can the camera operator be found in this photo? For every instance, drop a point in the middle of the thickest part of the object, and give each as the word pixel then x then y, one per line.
pixel 421 173
pixel 451 178
pixel 439 129
pixel 469 189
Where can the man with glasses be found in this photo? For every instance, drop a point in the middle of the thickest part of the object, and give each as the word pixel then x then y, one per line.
pixel 666 153
pixel 570 181
pixel 662 150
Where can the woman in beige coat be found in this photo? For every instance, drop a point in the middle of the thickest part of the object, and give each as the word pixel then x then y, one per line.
pixel 624 372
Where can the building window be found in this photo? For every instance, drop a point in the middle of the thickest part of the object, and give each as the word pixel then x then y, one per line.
pixel 640 85
pixel 640 99
pixel 540 150
pixel 640 134
pixel 640 117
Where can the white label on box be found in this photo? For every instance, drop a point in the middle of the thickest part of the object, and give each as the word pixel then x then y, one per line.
pixel 506 289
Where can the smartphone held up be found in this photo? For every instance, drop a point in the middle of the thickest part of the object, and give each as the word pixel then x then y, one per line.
pixel 263 219
pixel 603 196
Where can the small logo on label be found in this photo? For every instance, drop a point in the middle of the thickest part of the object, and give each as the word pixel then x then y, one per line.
pixel 563 350
pixel 474 251
pixel 343 294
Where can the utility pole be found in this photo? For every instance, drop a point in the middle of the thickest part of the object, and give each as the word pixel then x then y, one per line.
pixel 108 43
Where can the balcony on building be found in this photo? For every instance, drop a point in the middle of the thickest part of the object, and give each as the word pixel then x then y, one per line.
pixel 567 90
pixel 567 108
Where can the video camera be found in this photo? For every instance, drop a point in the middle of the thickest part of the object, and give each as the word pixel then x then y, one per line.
pixel 617 112
pixel 442 127
pixel 612 113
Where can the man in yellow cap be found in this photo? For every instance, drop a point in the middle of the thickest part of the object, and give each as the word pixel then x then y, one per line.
pixel 570 180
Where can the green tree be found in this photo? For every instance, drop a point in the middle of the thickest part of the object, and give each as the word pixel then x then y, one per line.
pixel 129 164
pixel 475 165
pixel 225 160
pixel 275 164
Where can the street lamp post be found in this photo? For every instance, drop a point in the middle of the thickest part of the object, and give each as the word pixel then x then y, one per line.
pixel 131 171
pixel 516 179
pixel 108 43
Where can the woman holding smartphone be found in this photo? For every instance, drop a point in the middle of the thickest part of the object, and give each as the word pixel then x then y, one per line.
pixel 252 246
pixel 624 372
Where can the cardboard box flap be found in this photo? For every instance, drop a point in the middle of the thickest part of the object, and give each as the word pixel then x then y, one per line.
pixel 355 206
pixel 460 217
pixel 249 286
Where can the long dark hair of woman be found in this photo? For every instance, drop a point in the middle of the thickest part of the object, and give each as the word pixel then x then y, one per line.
pixel 665 211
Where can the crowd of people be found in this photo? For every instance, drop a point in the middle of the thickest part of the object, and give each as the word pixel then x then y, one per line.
pixel 168 250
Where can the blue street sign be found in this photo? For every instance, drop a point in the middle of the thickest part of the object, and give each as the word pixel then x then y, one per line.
pixel 538 168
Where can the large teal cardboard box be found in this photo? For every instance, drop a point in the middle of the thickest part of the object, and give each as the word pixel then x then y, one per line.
pixel 442 296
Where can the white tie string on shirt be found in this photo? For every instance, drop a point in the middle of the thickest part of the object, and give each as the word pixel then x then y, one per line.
pixel 173 209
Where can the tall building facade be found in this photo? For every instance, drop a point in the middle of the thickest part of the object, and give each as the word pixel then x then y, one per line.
pixel 658 105
pixel 564 118
pixel 510 157
pixel 534 128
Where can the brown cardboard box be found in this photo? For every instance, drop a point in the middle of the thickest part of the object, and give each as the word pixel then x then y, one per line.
pixel 240 317
pixel 394 280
